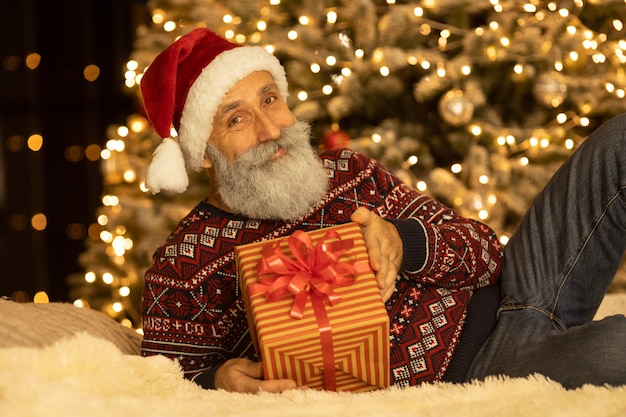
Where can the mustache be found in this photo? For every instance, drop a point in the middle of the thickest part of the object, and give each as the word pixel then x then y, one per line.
pixel 262 153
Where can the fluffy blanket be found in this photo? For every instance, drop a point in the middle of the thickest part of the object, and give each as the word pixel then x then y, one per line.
pixel 84 375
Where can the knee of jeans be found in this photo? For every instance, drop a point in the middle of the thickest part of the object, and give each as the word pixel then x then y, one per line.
pixel 611 327
pixel 612 136
pixel 607 341
pixel 606 337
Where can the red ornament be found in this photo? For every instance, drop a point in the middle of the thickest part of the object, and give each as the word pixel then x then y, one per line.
pixel 336 138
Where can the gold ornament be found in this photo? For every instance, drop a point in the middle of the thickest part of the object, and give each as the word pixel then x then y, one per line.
pixel 550 89
pixel 455 108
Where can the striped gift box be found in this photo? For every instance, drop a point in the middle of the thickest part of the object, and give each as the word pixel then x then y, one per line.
pixel 347 349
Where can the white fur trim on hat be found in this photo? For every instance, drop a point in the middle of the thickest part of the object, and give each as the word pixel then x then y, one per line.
pixel 209 89
pixel 167 168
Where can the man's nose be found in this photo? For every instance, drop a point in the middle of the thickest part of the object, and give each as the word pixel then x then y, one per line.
pixel 267 128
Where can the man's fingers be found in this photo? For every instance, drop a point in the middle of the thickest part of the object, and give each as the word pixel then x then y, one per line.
pixel 277 385
pixel 365 219
pixel 270 385
pixel 384 248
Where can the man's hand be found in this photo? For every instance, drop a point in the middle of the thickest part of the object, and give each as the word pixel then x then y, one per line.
pixel 384 248
pixel 244 375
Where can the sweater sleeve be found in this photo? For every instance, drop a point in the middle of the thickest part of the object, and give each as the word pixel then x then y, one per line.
pixel 414 240
pixel 441 247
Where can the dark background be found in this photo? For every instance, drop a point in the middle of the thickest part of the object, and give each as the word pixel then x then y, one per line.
pixel 71 113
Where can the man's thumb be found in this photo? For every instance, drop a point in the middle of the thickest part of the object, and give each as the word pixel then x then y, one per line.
pixel 361 216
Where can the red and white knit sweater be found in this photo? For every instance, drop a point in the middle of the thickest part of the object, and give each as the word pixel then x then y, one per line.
pixel 192 307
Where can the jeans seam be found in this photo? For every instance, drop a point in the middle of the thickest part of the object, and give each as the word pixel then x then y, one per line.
pixel 509 305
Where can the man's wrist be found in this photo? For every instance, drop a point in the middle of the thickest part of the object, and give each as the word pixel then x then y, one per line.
pixel 414 243
pixel 206 379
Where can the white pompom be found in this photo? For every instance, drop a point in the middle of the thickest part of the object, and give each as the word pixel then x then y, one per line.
pixel 167 170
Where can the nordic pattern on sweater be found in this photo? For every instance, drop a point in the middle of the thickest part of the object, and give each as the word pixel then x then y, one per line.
pixel 192 309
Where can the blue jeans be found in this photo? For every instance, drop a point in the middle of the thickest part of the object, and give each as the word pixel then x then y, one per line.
pixel 557 268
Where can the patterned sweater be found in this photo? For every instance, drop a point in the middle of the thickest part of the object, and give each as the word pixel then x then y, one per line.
pixel 193 311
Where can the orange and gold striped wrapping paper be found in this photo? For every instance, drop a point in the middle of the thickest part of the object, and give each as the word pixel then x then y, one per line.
pixel 291 348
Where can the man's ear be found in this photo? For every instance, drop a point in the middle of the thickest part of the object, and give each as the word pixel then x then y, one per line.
pixel 206 163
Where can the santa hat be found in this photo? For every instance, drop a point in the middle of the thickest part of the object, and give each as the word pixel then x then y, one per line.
pixel 183 87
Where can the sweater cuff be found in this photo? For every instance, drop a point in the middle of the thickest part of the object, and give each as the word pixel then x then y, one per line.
pixel 414 243
pixel 206 379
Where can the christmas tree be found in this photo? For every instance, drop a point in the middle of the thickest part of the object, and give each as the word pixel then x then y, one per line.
pixel 474 102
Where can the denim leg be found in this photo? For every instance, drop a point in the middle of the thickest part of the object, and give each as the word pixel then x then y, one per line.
pixel 525 342
pixel 560 262
pixel 567 249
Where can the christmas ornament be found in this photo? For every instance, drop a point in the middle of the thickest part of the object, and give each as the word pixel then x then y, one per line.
pixel 550 89
pixel 335 138
pixel 455 108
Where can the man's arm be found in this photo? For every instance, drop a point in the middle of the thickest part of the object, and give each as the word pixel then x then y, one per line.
pixel 422 239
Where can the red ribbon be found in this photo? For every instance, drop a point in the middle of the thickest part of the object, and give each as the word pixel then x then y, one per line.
pixel 314 272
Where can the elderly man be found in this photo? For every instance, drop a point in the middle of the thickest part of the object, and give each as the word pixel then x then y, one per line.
pixel 438 273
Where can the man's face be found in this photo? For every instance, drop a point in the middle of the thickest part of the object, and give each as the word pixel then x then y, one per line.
pixel 252 112
pixel 260 159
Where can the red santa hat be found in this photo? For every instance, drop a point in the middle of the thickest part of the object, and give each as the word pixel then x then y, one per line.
pixel 183 87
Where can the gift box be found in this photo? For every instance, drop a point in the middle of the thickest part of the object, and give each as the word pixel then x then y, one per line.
pixel 314 309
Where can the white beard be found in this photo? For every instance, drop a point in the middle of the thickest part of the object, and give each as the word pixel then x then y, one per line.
pixel 261 188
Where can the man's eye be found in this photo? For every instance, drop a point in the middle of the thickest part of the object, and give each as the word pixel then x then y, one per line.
pixel 270 100
pixel 234 121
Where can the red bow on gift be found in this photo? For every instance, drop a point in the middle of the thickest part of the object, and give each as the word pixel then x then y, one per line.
pixel 314 272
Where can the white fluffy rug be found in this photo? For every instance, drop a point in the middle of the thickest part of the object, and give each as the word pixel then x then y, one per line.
pixel 87 376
